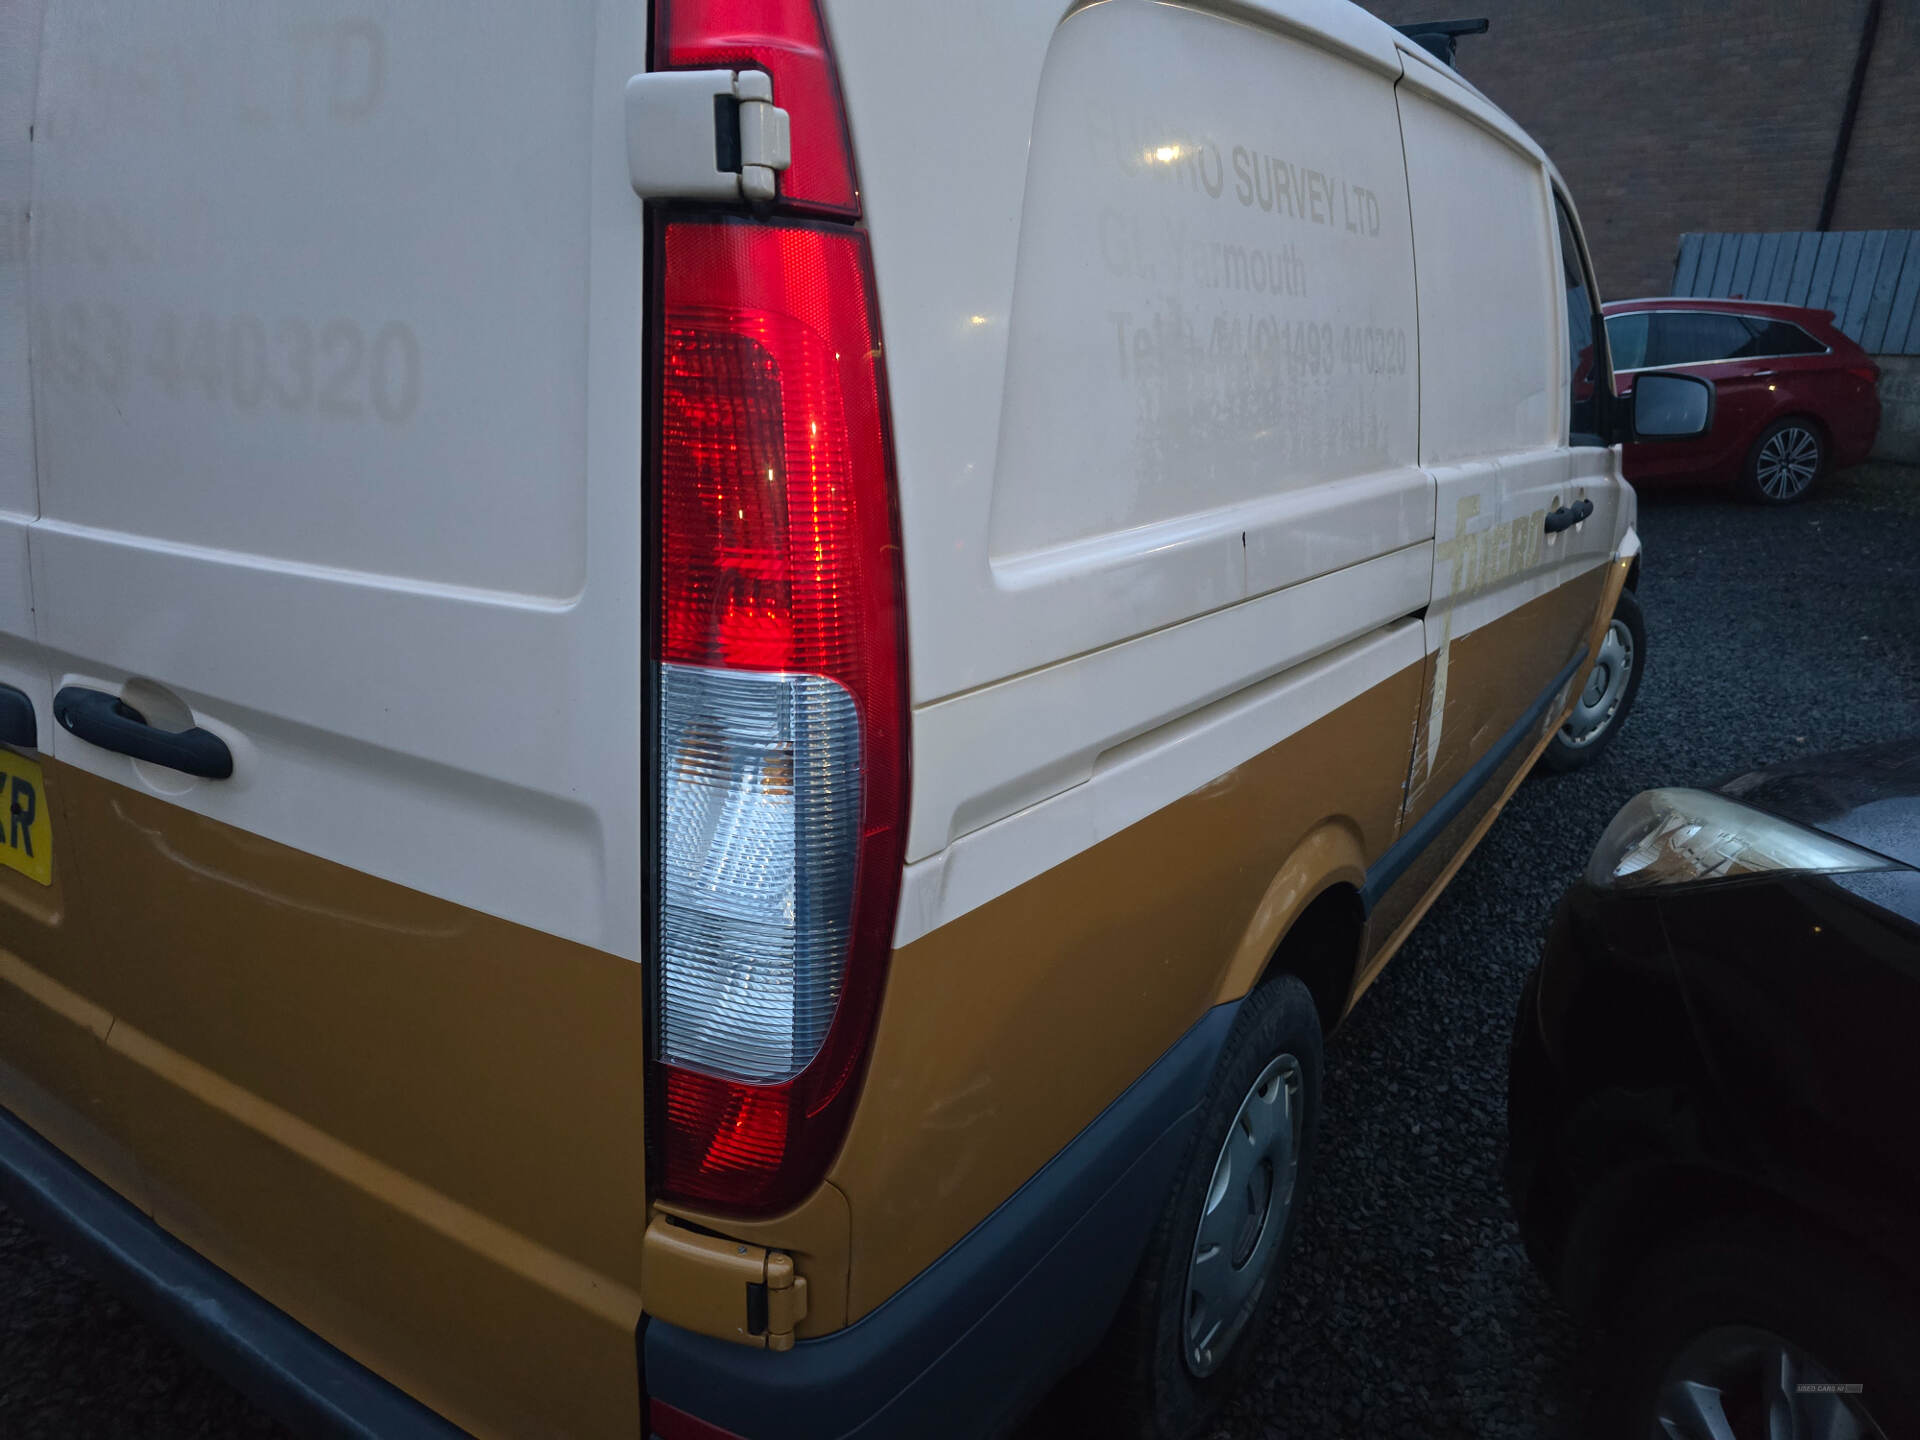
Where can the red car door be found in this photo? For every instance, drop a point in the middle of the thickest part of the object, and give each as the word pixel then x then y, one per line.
pixel 1716 347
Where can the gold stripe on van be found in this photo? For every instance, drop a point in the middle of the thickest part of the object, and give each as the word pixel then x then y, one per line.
pixel 415 1128
pixel 1005 1032
pixel 418 1129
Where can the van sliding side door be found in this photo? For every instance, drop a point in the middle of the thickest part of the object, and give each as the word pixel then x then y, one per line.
pixel 1512 597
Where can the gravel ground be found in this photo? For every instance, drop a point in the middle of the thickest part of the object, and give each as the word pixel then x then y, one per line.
pixel 1409 1308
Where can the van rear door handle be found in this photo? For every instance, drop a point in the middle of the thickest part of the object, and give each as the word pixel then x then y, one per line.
pixel 109 722
pixel 1568 516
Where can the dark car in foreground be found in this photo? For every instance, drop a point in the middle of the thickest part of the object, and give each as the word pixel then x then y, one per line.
pixel 1714 1103
pixel 1795 396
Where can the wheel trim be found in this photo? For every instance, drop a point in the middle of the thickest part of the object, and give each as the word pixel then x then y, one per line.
pixel 1599 703
pixel 1787 462
pixel 1243 1215
pixel 1737 1382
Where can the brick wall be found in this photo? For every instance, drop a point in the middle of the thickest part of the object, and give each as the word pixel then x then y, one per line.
pixel 1881 190
pixel 1715 115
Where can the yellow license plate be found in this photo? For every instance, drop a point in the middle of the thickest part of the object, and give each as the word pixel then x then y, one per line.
pixel 26 821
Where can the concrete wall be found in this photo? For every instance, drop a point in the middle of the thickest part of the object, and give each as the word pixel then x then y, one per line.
pixel 1899 409
pixel 1713 115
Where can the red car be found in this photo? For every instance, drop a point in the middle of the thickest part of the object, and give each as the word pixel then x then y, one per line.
pixel 1794 395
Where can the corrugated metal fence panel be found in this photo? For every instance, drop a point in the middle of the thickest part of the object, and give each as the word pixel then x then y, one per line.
pixel 1879 306
pixel 1870 279
pixel 1905 310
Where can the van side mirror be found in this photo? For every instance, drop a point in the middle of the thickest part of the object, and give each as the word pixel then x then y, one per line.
pixel 1669 407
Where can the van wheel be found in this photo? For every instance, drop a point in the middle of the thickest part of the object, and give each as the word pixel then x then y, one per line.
pixel 1757 1329
pixel 1189 1326
pixel 1612 686
pixel 1784 462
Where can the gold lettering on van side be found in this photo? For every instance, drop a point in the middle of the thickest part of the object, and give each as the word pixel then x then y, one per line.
pixel 1487 557
pixel 1473 562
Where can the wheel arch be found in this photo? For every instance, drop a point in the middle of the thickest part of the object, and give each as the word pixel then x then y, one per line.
pixel 1808 417
pixel 1322 947
pixel 1310 923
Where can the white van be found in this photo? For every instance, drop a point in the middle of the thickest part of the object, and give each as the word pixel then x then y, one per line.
pixel 703 710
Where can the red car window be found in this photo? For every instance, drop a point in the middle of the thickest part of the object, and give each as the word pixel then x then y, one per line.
pixel 1694 337
pixel 1781 337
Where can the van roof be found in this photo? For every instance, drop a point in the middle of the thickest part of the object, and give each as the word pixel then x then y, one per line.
pixel 1442 82
pixel 1344 27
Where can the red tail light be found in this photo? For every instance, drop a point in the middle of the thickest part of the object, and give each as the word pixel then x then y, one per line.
pixel 784 38
pixel 782 709
pixel 1868 373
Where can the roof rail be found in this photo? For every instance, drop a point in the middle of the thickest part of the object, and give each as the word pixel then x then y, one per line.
pixel 1436 37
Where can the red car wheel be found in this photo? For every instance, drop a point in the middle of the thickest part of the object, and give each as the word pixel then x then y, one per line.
pixel 1784 462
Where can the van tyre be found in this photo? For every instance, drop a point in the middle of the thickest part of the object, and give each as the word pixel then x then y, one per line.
pixel 1191 1322
pixel 1606 699
pixel 1784 462
pixel 1755 1317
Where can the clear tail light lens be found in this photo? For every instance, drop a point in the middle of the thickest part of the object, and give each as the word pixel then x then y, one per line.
pixel 762 823
pixel 781 705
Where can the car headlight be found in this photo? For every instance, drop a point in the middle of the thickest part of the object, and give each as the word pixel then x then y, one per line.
pixel 1679 837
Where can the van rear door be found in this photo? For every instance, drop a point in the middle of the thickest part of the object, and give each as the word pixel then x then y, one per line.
pixel 338 467
pixel 51 1071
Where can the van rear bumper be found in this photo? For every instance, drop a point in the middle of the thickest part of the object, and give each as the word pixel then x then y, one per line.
pixel 979 1335
pixel 972 1342
pixel 286 1368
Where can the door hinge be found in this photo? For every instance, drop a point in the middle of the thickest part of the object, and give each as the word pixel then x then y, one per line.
pixel 716 1286
pixel 705 135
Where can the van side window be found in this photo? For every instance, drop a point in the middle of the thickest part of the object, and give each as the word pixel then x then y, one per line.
pixel 1583 360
